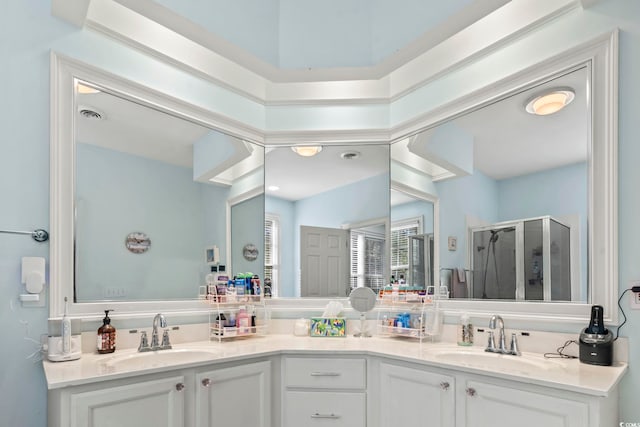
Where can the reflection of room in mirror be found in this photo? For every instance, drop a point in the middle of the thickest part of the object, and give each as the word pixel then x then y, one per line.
pixel 141 168
pixel 496 165
pixel 338 195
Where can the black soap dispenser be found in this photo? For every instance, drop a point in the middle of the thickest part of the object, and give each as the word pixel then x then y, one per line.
pixel 596 341
pixel 106 342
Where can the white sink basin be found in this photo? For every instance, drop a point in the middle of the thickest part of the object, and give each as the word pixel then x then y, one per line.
pixel 154 359
pixel 495 361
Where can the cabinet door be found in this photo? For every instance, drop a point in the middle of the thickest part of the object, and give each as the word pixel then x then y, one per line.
pixel 234 397
pixel 414 397
pixel 490 405
pixel 158 403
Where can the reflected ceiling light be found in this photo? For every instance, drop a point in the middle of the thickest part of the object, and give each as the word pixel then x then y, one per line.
pixel 307 150
pixel 273 188
pixel 551 101
pixel 85 90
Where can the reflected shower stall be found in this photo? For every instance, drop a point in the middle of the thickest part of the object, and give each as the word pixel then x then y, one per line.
pixel 527 259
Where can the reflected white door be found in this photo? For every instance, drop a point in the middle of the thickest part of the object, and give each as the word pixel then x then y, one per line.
pixel 324 262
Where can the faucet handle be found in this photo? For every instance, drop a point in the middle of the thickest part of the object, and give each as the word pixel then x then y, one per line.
pixel 144 342
pixel 166 344
pixel 514 346
pixel 491 343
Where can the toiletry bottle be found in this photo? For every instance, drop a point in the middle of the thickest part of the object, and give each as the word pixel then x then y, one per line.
pixel 106 335
pixel 243 321
pixel 66 330
pixel 465 331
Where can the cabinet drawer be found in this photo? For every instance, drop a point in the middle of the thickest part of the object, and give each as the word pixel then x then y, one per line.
pixel 309 408
pixel 325 373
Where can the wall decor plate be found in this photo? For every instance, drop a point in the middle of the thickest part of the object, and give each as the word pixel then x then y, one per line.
pixel 137 243
pixel 250 252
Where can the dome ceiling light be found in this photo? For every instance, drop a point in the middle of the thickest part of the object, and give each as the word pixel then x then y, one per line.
pixel 550 101
pixel 307 150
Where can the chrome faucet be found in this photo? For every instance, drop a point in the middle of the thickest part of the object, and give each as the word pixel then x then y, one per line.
pixel 159 320
pixel 491 344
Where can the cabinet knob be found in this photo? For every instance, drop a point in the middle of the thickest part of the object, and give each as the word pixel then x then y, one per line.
pixel 471 391
pixel 444 385
pixel 180 386
pixel 206 382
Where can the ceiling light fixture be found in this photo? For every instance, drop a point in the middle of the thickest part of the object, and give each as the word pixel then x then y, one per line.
pixel 307 150
pixel 273 188
pixel 551 101
pixel 86 90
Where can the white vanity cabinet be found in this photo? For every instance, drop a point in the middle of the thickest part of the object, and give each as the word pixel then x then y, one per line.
pixel 410 396
pixel 324 391
pixel 125 403
pixel 238 396
pixel 488 402
pixel 229 395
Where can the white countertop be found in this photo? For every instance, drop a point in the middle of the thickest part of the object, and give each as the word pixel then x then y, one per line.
pixel 564 374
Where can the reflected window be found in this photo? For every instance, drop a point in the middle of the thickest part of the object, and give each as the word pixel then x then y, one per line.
pixel 271 245
pixel 400 233
pixel 367 259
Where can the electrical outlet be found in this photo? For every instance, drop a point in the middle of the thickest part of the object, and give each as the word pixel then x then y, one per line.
pixel 635 296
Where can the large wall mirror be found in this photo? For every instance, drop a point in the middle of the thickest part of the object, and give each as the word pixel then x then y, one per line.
pixel 327 213
pixel 512 185
pixel 155 200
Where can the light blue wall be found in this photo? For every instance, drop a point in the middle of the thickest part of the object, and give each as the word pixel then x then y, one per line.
pixel 119 193
pixel 415 209
pixel 247 227
pixel 474 195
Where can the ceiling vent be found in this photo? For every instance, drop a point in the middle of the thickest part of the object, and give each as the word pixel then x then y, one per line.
pixel 350 155
pixel 90 113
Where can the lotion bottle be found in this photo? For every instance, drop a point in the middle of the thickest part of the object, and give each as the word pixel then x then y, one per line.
pixel 106 342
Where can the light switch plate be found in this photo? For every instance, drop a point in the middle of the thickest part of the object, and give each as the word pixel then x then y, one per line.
pixel 453 243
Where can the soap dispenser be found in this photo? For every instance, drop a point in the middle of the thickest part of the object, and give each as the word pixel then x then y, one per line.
pixel 106 342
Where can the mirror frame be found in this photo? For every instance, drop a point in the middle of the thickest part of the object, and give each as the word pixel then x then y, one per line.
pixel 602 55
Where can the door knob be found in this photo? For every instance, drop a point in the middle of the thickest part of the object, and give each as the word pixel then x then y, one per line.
pixel 180 386
pixel 471 391
pixel 206 382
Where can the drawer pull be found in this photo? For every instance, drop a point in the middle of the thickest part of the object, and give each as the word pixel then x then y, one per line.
pixel 329 416
pixel 180 386
pixel 471 391
pixel 206 382
pixel 444 385
pixel 325 374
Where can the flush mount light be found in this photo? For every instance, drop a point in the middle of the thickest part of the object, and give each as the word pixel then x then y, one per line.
pixel 550 101
pixel 86 90
pixel 307 150
pixel 273 188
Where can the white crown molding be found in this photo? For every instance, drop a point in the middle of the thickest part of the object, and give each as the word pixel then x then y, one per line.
pixel 119 20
